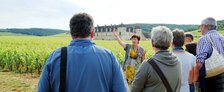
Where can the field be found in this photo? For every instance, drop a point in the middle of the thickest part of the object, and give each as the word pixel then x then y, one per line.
pixel 26 55
pixel 22 58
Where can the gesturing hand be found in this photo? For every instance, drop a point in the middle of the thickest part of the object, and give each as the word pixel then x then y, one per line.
pixel 115 32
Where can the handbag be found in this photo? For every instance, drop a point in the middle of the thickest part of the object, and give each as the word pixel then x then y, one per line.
pixel 214 65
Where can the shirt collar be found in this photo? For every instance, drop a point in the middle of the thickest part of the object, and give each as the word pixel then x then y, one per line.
pixel 84 42
pixel 178 49
pixel 211 31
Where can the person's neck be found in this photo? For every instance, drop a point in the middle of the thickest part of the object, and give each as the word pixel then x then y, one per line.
pixel 135 46
pixel 79 38
pixel 189 42
pixel 156 50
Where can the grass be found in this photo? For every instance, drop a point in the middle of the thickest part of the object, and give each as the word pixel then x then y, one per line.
pixel 13 82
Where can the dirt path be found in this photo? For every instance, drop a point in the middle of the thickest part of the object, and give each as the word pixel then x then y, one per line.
pixel 13 82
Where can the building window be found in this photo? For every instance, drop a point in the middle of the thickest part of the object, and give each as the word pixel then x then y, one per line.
pixel 127 29
pixel 108 29
pixel 103 29
pixel 99 30
pixel 96 29
pixel 132 30
pixel 120 33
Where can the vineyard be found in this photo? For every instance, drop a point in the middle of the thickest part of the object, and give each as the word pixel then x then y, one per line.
pixel 27 54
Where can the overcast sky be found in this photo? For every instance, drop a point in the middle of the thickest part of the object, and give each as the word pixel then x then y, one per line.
pixel 56 13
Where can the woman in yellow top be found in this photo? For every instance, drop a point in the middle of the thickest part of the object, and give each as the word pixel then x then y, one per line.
pixel 134 55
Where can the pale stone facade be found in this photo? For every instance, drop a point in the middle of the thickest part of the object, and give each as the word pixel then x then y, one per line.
pixel 125 33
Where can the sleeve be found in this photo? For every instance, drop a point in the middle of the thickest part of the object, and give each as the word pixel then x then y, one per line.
pixel 203 50
pixel 140 78
pixel 193 61
pixel 128 46
pixel 119 82
pixel 44 82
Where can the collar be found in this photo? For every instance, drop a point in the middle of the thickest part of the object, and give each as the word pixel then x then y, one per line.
pixel 210 31
pixel 161 51
pixel 178 49
pixel 84 42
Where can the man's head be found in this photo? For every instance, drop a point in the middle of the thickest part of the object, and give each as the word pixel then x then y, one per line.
pixel 81 25
pixel 135 39
pixel 188 37
pixel 207 25
pixel 178 38
pixel 161 37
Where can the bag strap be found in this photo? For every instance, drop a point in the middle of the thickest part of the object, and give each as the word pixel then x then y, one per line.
pixel 210 39
pixel 161 75
pixel 63 65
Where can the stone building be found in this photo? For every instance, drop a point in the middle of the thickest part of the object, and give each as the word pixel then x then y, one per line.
pixel 125 32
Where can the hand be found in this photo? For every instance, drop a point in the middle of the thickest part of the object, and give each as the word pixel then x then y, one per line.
pixel 115 32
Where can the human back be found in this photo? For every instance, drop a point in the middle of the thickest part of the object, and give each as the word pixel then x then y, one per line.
pixel 90 68
pixel 188 61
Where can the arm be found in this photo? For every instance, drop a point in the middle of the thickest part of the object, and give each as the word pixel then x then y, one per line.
pixel 204 48
pixel 191 76
pixel 195 75
pixel 119 82
pixel 140 78
pixel 44 82
pixel 122 43
pixel 143 56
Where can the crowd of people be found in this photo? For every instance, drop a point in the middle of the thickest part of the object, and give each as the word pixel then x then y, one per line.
pixel 82 66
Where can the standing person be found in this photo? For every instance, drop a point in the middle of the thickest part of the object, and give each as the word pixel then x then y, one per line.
pixel 134 55
pixel 191 48
pixel 204 50
pixel 147 79
pixel 90 68
pixel 188 61
pixel 189 44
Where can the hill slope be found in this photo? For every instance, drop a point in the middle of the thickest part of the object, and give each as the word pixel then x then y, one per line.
pixel 34 31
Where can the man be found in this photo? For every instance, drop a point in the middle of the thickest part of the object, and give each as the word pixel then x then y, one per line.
pixel 189 44
pixel 147 79
pixel 90 68
pixel 204 50
pixel 187 60
pixel 191 48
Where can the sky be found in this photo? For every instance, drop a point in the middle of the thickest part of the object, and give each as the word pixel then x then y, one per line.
pixel 57 13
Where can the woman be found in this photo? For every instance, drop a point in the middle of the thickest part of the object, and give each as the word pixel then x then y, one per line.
pixel 187 60
pixel 147 78
pixel 133 57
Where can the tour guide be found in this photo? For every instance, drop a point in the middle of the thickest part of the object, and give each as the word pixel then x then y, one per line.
pixel 133 57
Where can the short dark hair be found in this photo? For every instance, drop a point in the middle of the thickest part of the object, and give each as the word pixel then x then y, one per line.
pixel 81 25
pixel 178 38
pixel 136 36
pixel 190 36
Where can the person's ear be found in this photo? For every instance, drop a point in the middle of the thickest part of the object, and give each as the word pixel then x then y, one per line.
pixel 92 35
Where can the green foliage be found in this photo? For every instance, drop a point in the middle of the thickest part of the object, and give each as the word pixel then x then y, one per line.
pixel 220 25
pixel 148 27
pixel 29 53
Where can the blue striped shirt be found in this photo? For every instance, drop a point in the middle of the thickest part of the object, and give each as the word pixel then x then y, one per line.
pixel 204 47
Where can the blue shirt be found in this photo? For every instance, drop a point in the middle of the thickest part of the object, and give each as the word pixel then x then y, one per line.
pixel 89 69
pixel 204 47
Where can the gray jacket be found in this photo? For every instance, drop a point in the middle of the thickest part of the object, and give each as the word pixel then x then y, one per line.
pixel 147 80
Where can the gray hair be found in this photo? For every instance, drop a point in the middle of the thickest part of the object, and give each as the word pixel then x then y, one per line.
pixel 161 37
pixel 210 22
